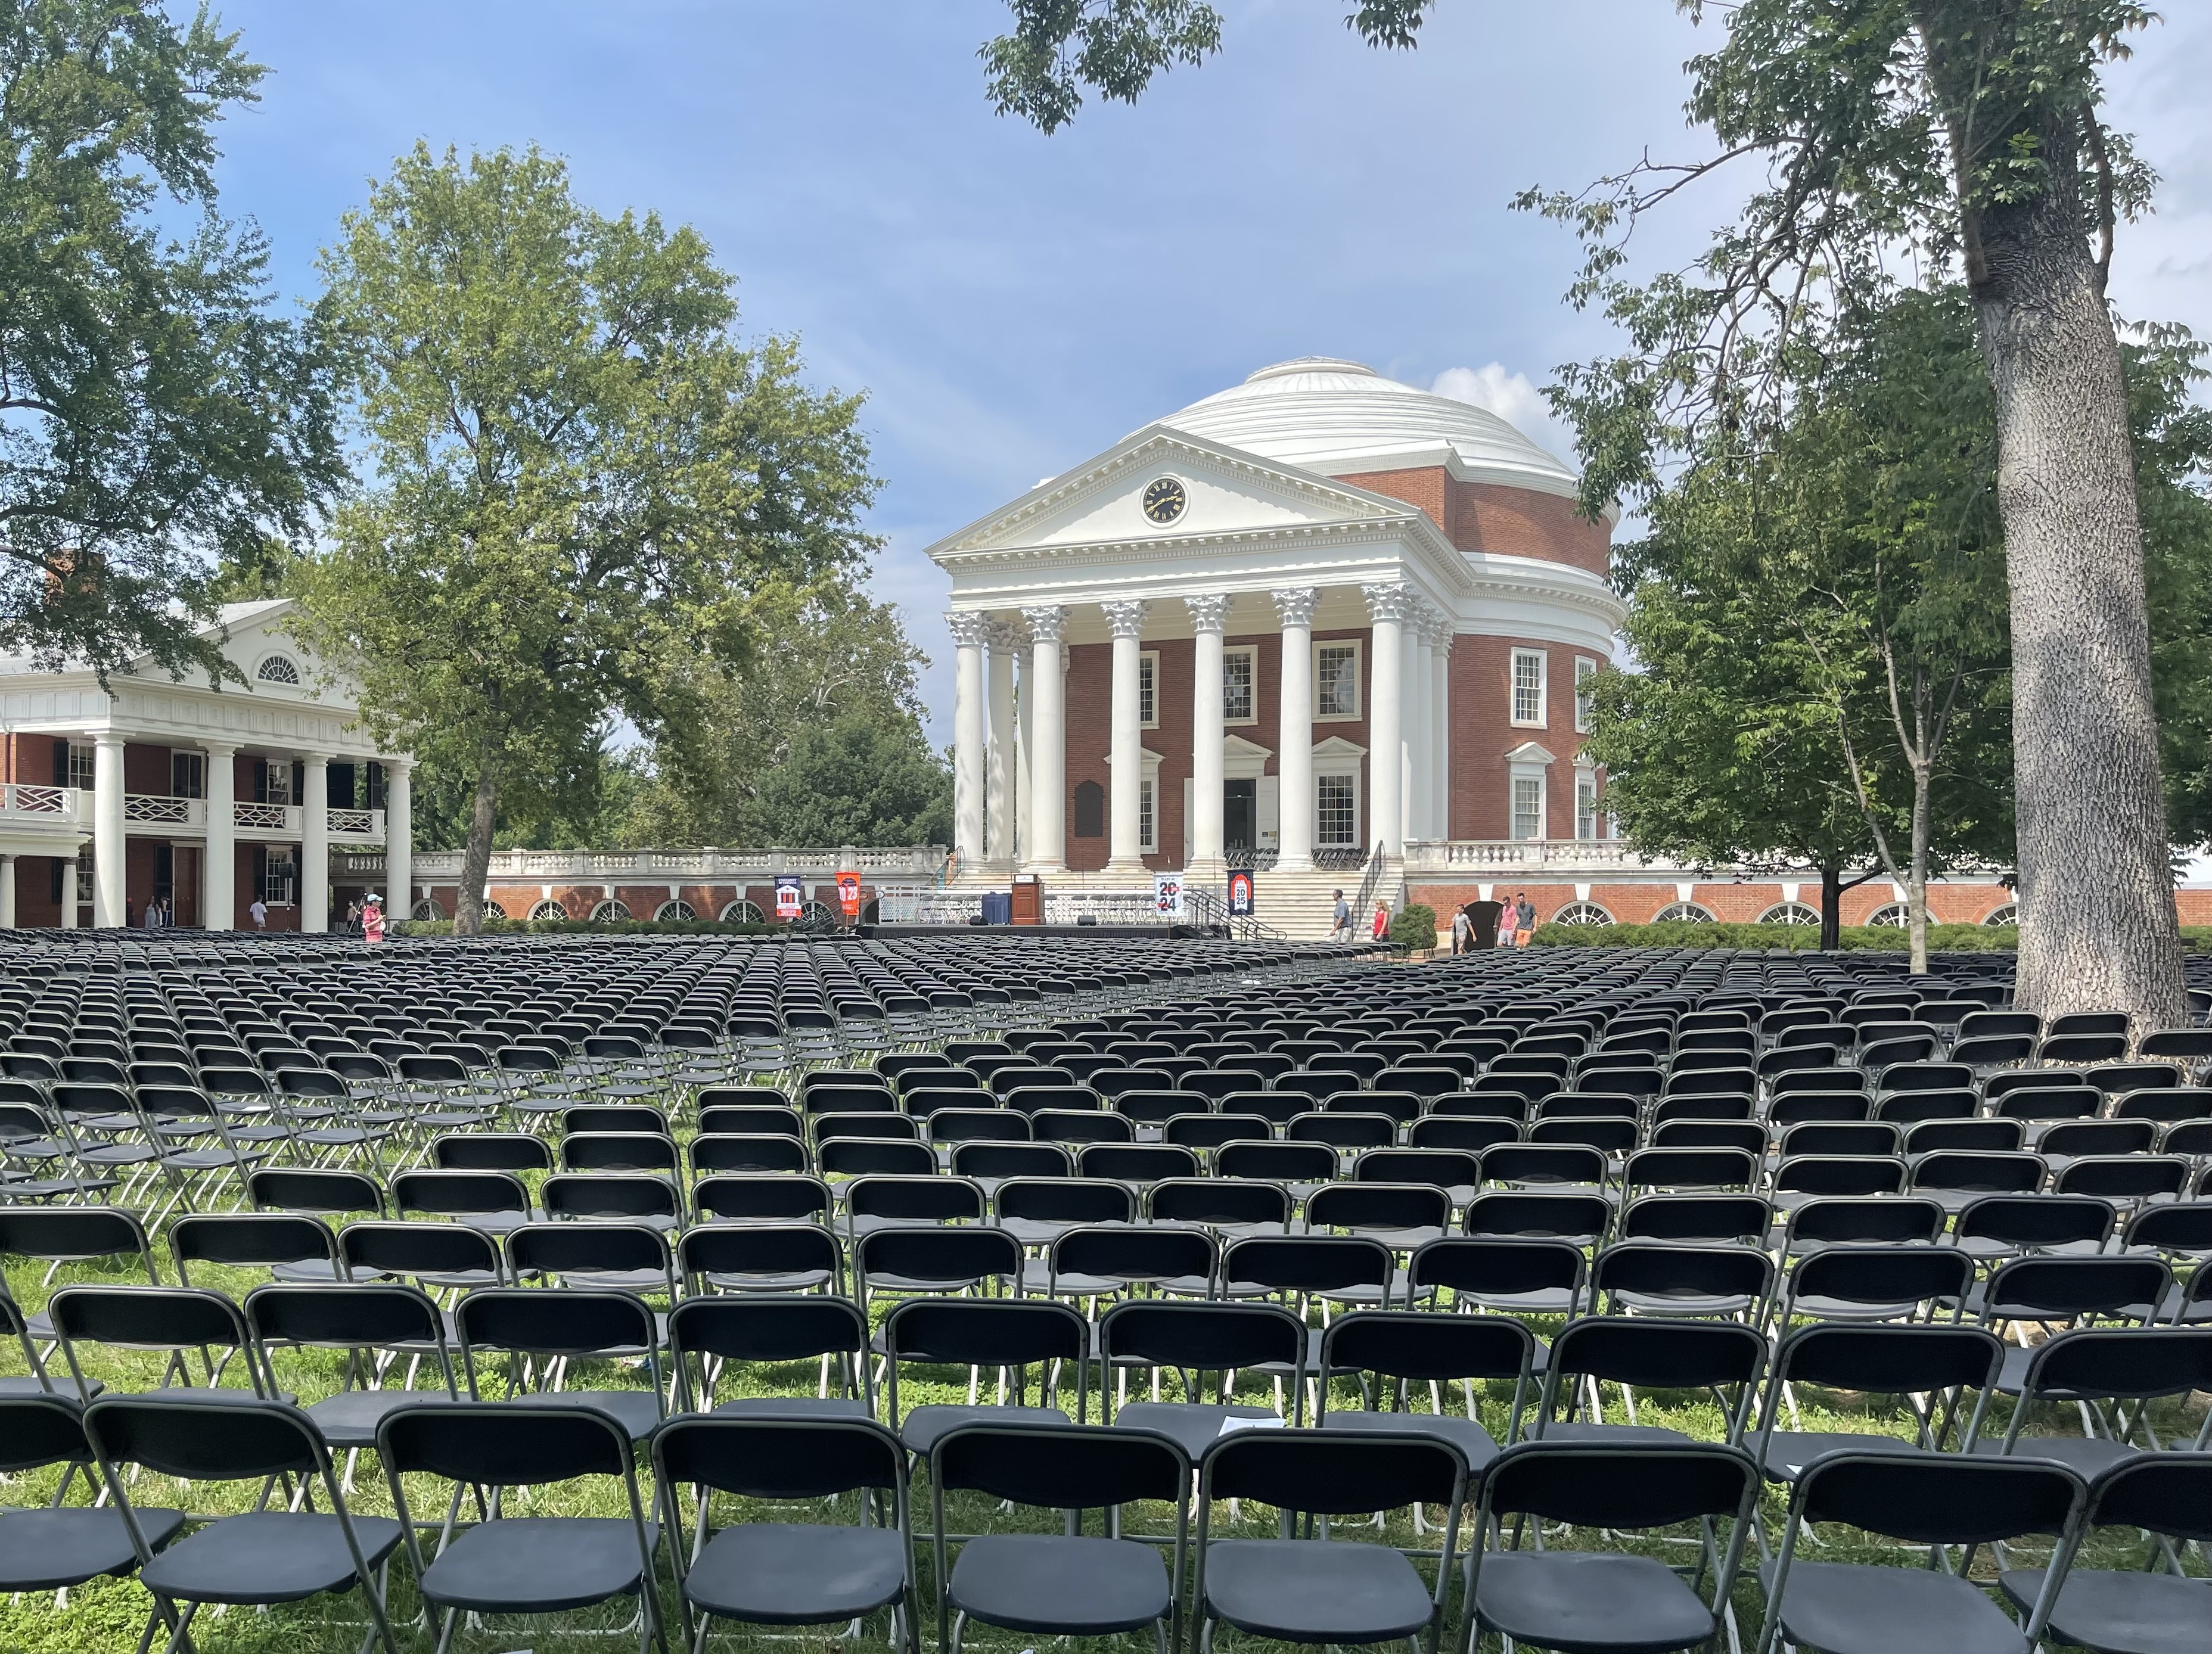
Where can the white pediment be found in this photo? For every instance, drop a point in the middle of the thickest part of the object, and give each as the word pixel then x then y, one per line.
pixel 1224 493
pixel 1337 747
pixel 1528 752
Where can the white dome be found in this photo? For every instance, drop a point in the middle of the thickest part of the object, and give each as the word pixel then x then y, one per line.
pixel 1326 415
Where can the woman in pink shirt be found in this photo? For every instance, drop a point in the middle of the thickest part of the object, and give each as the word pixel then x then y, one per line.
pixel 371 921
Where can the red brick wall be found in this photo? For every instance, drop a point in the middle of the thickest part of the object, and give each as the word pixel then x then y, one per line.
pixel 1483 732
pixel 1492 517
pixel 1956 904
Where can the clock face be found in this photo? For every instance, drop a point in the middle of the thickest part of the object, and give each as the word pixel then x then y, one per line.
pixel 1164 500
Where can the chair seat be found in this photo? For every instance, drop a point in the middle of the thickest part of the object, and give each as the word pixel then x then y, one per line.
pixel 63 1386
pixel 1841 1609
pixel 1053 1584
pixel 1195 1424
pixel 795 1407
pixel 1473 1441
pixel 637 1411
pixel 269 1556
pixel 1315 1591
pixel 785 1280
pixel 2120 1613
pixel 783 1574
pixel 1683 1304
pixel 1589 1602
pixel 45 1550
pixel 2091 1456
pixel 1605 1435
pixel 1788 1451
pixel 538 1565
pixel 350 1419
pixel 922 1426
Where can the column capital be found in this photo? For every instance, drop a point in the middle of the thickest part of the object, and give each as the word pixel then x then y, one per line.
pixel 1209 612
pixel 971 628
pixel 396 766
pixel 1391 600
pixel 312 757
pixel 219 749
pixel 1294 604
pixel 1008 637
pixel 107 738
pixel 1126 615
pixel 1048 623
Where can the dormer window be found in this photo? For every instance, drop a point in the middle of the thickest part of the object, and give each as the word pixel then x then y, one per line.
pixel 277 669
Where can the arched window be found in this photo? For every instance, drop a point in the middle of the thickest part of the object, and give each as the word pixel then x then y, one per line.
pixel 816 913
pixel 277 669
pixel 1581 913
pixel 610 913
pixel 1089 811
pixel 1894 912
pixel 1684 913
pixel 548 910
pixel 1791 913
pixel 426 909
pixel 2007 914
pixel 742 912
pixel 673 910
pixel 493 910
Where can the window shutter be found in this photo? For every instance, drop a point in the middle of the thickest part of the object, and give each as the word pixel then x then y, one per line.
pixel 61 775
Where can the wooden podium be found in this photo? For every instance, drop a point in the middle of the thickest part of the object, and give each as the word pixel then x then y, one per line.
pixel 1028 895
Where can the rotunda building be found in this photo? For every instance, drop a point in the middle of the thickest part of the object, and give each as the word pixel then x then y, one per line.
pixel 1314 616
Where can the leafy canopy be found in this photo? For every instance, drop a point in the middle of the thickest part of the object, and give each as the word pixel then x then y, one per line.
pixel 156 420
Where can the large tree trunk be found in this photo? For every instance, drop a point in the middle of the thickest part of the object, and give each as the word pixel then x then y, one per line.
pixel 476 860
pixel 1916 888
pixel 2098 926
pixel 1831 909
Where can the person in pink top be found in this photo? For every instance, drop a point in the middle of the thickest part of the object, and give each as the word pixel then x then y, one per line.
pixel 372 919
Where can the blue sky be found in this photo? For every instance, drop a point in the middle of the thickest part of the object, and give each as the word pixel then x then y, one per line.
pixel 1014 303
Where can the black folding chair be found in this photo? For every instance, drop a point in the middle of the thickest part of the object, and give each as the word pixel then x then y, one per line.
pixel 548 1332
pixel 1956 1368
pixel 2157 1608
pixel 1636 1353
pixel 1409 1347
pixel 172 1320
pixel 770 1573
pixel 385 1332
pixel 524 1564
pixel 264 1557
pixel 791 1257
pixel 2100 1369
pixel 1607 1600
pixel 978 1333
pixel 1314 1590
pixel 65 1545
pixel 707 1334
pixel 1060 1585
pixel 1935 1500
pixel 1193 1339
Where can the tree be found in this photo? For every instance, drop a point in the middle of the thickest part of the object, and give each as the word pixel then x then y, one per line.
pixel 858 781
pixel 156 419
pixel 823 655
pixel 1961 135
pixel 1715 753
pixel 579 476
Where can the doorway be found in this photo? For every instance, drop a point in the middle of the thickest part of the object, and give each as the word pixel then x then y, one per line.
pixel 1240 814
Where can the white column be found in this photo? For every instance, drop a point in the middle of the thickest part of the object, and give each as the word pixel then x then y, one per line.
pixel 1209 618
pixel 1414 806
pixel 1024 743
pixel 1047 852
pixel 1388 607
pixel 109 892
pixel 969 630
pixel 315 845
pixel 219 873
pixel 1126 756
pixel 6 892
pixel 69 890
pixel 1294 768
pixel 1440 729
pixel 998 825
pixel 398 890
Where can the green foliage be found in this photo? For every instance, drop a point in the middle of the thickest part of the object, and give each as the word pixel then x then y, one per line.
pixel 155 419
pixel 822 657
pixel 493 926
pixel 1414 927
pixel 580 476
pixel 858 781
pixel 1880 938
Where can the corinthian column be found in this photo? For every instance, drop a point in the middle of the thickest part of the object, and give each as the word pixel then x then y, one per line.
pixel 1209 617
pixel 1123 853
pixel 1047 846
pixel 1005 641
pixel 1294 771
pixel 969 631
pixel 1390 607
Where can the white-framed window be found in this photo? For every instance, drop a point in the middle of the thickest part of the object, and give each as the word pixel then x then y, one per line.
pixel 81 764
pixel 614 913
pixel 279 783
pixel 677 911
pixel 1586 817
pixel 1585 695
pixel 1684 913
pixel 187 775
pixel 280 878
pixel 277 669
pixel 84 878
pixel 1899 914
pixel 1791 913
pixel 1527 708
pixel 1336 811
pixel 1148 813
pixel 1336 680
pixel 2007 914
pixel 1240 685
pixel 548 909
pixel 742 912
pixel 1148 690
pixel 1527 806
pixel 1581 913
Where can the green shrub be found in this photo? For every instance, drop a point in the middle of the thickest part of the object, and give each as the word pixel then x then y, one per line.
pixel 1415 927
pixel 1880 938
pixel 585 927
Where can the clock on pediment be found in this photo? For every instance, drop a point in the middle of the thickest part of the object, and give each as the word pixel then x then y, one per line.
pixel 1164 500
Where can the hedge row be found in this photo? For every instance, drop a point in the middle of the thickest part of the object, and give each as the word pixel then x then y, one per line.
pixel 587 927
pixel 1882 938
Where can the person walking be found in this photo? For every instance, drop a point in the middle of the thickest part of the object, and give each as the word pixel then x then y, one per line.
pixel 1462 933
pixel 1524 919
pixel 259 913
pixel 1381 919
pixel 372 919
pixel 353 918
pixel 1340 919
pixel 1509 920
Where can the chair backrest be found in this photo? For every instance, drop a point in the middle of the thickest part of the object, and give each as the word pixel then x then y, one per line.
pixel 459 1194
pixel 155 1318
pixel 1218 1200
pixel 501 1445
pixel 938 1257
pixel 202 1440
pixel 573 1321
pixel 1650 1353
pixel 557 1249
pixel 418 1248
pixel 37 1430
pixel 923 1200
pixel 2169 1493
pixel 1631 1487
pixel 2119 1363
pixel 1314 1472
pixel 1133 1254
pixel 322 1189
pixel 778 1458
pixel 1316 1264
pixel 1886 1361
pixel 71 1234
pixel 2059 1288
pixel 1940 1498
pixel 1202 1337
pixel 611 1195
pixel 369 1315
pixel 1665 1268
pixel 1417 1345
pixel 1908 1273
pixel 1057 1466
pixel 249 1239
pixel 764 1198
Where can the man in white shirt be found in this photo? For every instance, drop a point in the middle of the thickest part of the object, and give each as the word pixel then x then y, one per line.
pixel 259 911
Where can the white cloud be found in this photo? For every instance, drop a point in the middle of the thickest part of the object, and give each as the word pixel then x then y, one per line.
pixel 1512 398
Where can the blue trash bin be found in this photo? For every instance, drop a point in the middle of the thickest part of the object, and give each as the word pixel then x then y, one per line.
pixel 998 908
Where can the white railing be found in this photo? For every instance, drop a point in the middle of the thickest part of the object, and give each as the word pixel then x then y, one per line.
pixel 354 823
pixel 55 806
pixel 929 904
pixel 158 809
pixel 1585 854
pixel 279 817
pixel 662 866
